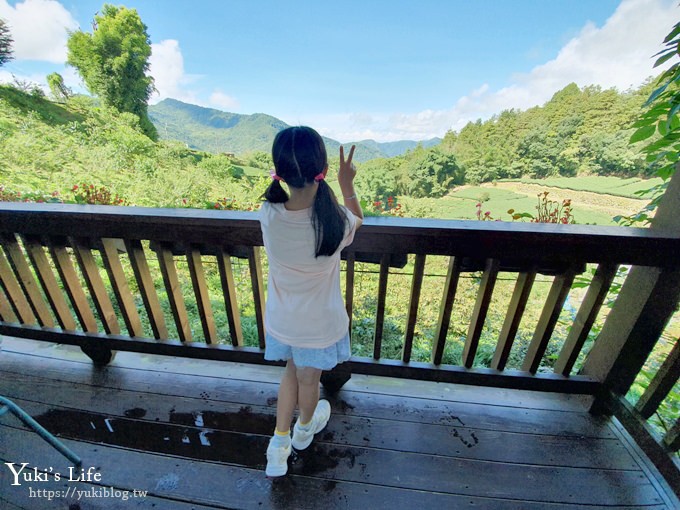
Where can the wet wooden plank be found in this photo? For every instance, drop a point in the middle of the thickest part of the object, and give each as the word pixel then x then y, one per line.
pixel 74 290
pixel 358 404
pixel 479 312
pixel 371 466
pixel 414 301
pixel 121 289
pixel 140 266
pixel 127 362
pixel 450 437
pixel 227 486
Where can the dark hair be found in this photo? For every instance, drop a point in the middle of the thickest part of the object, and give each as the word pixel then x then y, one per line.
pixel 299 155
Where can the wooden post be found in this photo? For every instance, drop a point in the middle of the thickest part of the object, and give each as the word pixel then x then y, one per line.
pixel 646 302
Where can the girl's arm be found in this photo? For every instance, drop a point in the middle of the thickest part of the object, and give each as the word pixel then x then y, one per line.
pixel 346 175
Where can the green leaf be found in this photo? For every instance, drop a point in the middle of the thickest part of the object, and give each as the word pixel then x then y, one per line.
pixel 642 134
pixel 672 33
pixel 665 58
pixel 657 93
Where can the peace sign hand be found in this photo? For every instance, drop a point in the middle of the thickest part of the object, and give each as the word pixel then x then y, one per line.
pixel 347 169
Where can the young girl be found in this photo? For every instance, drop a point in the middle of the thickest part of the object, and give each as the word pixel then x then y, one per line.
pixel 305 318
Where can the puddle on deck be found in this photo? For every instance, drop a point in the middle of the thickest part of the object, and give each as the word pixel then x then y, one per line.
pixel 238 438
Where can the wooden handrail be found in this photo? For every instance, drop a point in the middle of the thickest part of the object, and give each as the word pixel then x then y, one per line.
pixel 99 241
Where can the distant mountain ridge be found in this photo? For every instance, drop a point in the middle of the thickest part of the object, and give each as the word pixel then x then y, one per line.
pixel 217 131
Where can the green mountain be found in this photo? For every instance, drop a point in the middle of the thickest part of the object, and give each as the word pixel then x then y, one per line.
pixel 216 131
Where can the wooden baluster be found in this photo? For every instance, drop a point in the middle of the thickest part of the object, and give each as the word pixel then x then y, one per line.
pixel 74 289
pixel 585 318
pixel 178 307
pixel 661 384
pixel 672 438
pixel 255 264
pixel 380 312
pixel 546 323
pixel 201 292
pixel 6 312
pixel 54 294
pixel 230 302
pixel 416 286
pixel 121 289
pixel 479 313
pixel 140 267
pixel 95 284
pixel 518 301
pixel 27 281
pixel 16 296
pixel 349 286
pixel 450 287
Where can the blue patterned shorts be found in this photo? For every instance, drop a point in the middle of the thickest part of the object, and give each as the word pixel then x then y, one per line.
pixel 324 359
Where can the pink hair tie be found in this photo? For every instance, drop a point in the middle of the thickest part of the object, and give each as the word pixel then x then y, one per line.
pixel 272 172
pixel 320 177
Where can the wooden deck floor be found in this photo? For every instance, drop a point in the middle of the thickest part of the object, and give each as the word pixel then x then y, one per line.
pixel 192 434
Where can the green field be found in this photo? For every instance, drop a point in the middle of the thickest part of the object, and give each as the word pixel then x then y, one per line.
pixel 462 204
pixel 615 186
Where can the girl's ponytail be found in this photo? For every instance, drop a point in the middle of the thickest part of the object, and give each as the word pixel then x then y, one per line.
pixel 275 193
pixel 328 220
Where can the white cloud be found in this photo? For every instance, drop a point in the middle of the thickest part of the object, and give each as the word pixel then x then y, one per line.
pixel 220 100
pixel 166 65
pixel 618 54
pixel 39 29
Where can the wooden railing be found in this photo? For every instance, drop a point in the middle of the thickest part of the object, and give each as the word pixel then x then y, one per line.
pixel 76 274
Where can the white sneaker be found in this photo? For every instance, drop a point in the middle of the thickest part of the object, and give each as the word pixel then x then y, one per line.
pixel 277 460
pixel 302 438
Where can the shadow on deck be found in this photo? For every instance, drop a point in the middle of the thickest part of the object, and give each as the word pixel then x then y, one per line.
pixel 191 434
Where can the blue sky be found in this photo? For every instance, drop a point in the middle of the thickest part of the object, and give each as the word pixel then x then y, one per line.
pixel 386 70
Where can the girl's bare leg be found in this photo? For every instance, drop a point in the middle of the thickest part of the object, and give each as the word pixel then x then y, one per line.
pixel 288 398
pixel 308 391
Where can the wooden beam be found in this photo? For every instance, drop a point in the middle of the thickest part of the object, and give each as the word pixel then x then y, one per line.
pixel 173 289
pixel 119 283
pixel 230 301
pixel 585 318
pixel 380 311
pixel 513 317
pixel 201 292
pixel 95 284
pixel 257 284
pixel 54 294
pixel 147 289
pixel 414 301
pixel 479 312
pixel 73 287
pixel 661 385
pixel 450 287
pixel 27 281
pixel 557 295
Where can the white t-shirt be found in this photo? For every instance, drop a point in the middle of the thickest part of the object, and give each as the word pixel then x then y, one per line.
pixel 304 306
